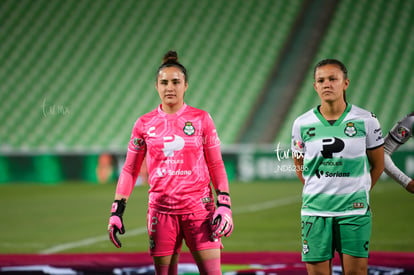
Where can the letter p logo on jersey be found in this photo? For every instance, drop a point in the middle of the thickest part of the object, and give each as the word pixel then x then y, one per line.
pixel 171 144
pixel 330 146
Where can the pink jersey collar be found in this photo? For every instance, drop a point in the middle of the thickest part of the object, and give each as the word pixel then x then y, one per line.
pixel 179 112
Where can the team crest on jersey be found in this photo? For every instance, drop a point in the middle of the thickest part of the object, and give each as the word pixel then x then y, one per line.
pixel 350 129
pixel 189 128
pixel 402 132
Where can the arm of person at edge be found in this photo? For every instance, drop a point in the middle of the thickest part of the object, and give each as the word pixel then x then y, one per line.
pixel 376 161
pixel 399 134
pixel 391 169
pixel 298 161
pixel 410 187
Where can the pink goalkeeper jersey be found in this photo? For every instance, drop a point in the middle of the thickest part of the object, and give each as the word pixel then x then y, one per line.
pixel 181 150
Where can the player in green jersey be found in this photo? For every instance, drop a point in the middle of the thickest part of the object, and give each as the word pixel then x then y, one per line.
pixel 339 156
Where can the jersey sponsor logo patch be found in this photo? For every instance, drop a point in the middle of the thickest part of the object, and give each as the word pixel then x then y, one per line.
pixel 298 144
pixel 138 143
pixel 189 128
pixel 162 172
pixel 311 132
pixel 366 245
pixel 358 205
pixel 206 200
pixel 332 163
pixel 331 146
pixel 179 172
pixel 402 132
pixel 320 173
pixel 350 129
pixel 172 144
pixel 173 161
pixel 150 131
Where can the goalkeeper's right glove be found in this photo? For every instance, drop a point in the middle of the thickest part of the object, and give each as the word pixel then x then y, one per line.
pixel 115 221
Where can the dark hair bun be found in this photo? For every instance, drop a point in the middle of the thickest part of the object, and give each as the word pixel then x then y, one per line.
pixel 170 57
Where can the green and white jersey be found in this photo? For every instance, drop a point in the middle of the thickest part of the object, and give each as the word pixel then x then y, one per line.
pixel 335 164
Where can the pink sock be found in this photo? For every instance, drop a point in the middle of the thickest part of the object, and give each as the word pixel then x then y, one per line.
pixel 210 267
pixel 166 269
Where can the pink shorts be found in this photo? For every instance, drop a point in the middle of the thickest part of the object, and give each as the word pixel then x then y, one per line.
pixel 167 231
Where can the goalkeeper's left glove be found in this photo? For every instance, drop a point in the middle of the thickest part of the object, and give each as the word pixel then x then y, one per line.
pixel 115 221
pixel 222 223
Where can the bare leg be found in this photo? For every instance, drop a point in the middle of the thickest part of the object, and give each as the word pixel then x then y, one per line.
pixel 319 268
pixel 166 265
pixel 208 261
pixel 352 265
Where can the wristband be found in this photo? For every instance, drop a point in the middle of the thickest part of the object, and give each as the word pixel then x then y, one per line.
pixel 116 224
pixel 118 207
pixel 223 199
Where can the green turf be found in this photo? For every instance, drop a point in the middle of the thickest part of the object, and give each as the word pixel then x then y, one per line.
pixel 44 218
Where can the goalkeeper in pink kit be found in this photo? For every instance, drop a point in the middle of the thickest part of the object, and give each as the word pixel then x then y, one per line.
pixel 182 152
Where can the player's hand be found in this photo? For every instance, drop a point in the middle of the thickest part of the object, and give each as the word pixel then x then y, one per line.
pixel 116 224
pixel 410 187
pixel 222 222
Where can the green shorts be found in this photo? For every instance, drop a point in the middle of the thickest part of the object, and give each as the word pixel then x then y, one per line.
pixel 322 236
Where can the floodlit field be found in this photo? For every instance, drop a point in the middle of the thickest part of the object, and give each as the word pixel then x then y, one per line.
pixel 72 217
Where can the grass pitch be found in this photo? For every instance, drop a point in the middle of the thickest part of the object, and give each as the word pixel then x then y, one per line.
pixel 72 217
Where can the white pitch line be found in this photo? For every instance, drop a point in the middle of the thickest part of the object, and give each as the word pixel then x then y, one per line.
pixel 89 241
pixel 266 205
pixel 141 230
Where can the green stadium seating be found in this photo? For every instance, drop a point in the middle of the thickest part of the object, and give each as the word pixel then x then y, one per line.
pixel 76 74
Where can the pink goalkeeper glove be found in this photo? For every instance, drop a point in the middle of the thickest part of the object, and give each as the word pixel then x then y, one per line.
pixel 115 221
pixel 222 223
